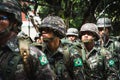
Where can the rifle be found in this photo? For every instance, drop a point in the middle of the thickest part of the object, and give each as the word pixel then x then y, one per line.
pixel 35 20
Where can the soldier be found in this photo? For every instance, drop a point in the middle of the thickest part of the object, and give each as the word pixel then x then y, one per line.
pixel 105 27
pixel 71 37
pixel 98 62
pixel 64 60
pixel 72 34
pixel 12 65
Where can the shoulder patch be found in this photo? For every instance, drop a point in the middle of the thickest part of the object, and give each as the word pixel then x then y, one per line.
pixel 77 62
pixel 111 62
pixel 43 60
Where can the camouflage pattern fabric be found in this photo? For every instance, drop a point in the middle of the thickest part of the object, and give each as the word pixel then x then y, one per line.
pixel 90 27
pixel 99 64
pixel 11 65
pixel 41 67
pixel 56 23
pixel 66 62
pixel 114 47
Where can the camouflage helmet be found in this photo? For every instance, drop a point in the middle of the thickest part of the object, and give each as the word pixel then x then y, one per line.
pixel 56 23
pixel 72 31
pixel 90 27
pixel 104 22
pixel 12 7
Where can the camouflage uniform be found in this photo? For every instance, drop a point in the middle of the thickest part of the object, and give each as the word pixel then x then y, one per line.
pixel 99 63
pixel 98 66
pixel 114 47
pixel 35 61
pixel 11 63
pixel 112 44
pixel 11 67
pixel 41 69
pixel 65 61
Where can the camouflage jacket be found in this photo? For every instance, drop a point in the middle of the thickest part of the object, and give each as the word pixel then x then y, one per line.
pixel 99 65
pixel 113 46
pixel 11 65
pixel 40 65
pixel 66 62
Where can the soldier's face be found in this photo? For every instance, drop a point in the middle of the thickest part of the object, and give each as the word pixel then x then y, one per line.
pixel 71 37
pixel 4 22
pixel 87 37
pixel 47 33
pixel 103 31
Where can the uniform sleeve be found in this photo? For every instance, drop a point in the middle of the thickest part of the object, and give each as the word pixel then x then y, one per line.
pixel 111 67
pixel 20 73
pixel 76 64
pixel 42 69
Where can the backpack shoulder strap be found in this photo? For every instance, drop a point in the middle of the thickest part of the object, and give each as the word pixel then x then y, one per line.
pixel 66 54
pixel 83 54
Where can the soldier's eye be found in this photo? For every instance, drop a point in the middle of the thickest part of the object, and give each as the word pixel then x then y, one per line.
pixel 100 29
pixel 87 33
pixel 3 17
pixel 46 29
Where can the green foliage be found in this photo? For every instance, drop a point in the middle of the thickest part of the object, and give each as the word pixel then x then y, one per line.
pixel 110 9
pixel 43 11
pixel 75 22
pixel 77 12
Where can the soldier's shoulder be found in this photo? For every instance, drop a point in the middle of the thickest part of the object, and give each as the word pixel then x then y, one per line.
pixel 12 44
pixel 115 38
pixel 65 41
pixel 115 41
pixel 68 43
pixel 105 52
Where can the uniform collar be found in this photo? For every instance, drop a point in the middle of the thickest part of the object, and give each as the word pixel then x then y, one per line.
pixel 108 42
pixel 92 52
pixel 50 53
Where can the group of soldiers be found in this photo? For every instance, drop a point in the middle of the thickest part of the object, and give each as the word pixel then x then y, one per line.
pixel 87 54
